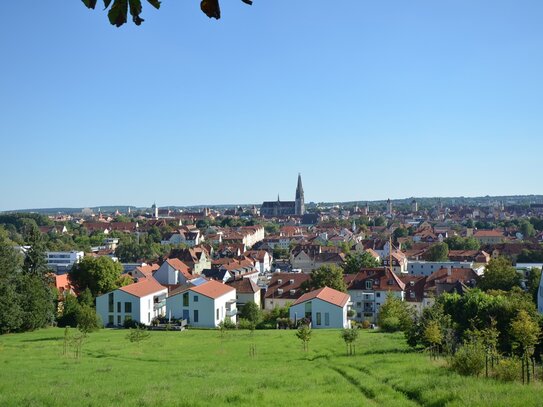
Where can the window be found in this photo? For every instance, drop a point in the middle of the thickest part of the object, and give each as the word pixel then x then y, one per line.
pixel 217 313
pixel 358 304
pixel 195 298
pixel 378 295
pixel 127 307
pixel 326 319
pixel 307 307
pixel 368 285
pixel 118 320
pixel 110 303
pixel 110 320
pixel 195 315
pixel 119 306
pixel 185 299
pixel 318 318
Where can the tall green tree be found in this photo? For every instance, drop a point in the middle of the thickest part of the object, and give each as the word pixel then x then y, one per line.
pixel 99 275
pixel 395 314
pixel 437 252
pixel 499 275
pixel 326 276
pixel 251 312
pixel 357 261
pixel 525 332
pixel 462 243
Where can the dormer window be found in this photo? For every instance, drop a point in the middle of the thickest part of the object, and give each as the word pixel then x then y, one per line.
pixel 291 281
pixel 368 284
pixel 280 291
pixel 292 292
pixel 390 282
pixel 279 281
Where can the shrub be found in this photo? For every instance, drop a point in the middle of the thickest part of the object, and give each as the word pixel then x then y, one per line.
pixel 131 323
pixel 469 360
pixel 137 334
pixel 227 324
pixel 365 324
pixel 87 319
pixel 246 324
pixel 390 324
pixel 507 370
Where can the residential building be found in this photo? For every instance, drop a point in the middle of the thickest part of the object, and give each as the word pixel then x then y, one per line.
pixel 246 291
pixel 324 308
pixel 425 268
pixel 369 289
pixel 141 302
pixel 283 289
pixel 173 271
pixel 205 305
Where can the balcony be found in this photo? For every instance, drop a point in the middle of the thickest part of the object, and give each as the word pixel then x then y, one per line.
pixel 159 305
pixel 231 313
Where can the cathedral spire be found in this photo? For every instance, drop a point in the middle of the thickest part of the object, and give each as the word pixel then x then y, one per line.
pixel 300 201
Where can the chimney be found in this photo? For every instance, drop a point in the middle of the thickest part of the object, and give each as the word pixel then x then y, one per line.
pixel 449 270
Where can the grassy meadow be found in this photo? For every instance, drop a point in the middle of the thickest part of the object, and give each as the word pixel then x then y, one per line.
pixel 198 367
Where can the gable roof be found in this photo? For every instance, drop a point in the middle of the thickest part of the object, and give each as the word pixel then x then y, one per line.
pixel 213 289
pixel 244 286
pixel 327 294
pixel 282 281
pixel 143 287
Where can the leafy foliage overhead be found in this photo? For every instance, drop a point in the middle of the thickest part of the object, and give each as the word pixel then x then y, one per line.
pixel 118 12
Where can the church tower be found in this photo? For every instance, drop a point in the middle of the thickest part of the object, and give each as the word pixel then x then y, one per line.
pixel 300 204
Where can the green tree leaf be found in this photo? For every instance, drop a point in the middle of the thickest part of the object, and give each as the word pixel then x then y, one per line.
pixel 135 11
pixel 118 12
pixel 154 3
pixel 90 3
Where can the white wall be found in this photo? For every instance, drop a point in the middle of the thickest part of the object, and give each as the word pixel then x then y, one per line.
pixel 338 315
pixel 206 307
pixel 142 308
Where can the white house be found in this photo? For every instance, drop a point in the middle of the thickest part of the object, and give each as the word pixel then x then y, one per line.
pixel 325 308
pixel 173 271
pixel 205 305
pixel 246 290
pixel 141 302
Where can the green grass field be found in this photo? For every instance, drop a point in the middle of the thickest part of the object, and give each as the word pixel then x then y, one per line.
pixel 195 368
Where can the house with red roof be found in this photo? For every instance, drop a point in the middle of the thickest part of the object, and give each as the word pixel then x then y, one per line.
pixel 205 305
pixel 283 289
pixel 142 302
pixel 324 308
pixel 173 271
pixel 369 289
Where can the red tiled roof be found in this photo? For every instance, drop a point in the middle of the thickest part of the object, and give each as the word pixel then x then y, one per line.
pixel 212 289
pixel 488 233
pixel 244 286
pixel 327 294
pixel 286 285
pixel 143 288
pixel 148 270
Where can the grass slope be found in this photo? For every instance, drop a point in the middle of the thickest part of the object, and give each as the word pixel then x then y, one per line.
pixel 197 368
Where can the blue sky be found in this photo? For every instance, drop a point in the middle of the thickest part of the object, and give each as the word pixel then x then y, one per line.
pixel 367 99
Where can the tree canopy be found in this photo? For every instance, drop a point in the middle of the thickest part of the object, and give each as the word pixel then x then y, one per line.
pixel 326 276
pixel 356 261
pixel 99 275
pixel 499 275
pixel 118 12
pixel 438 252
